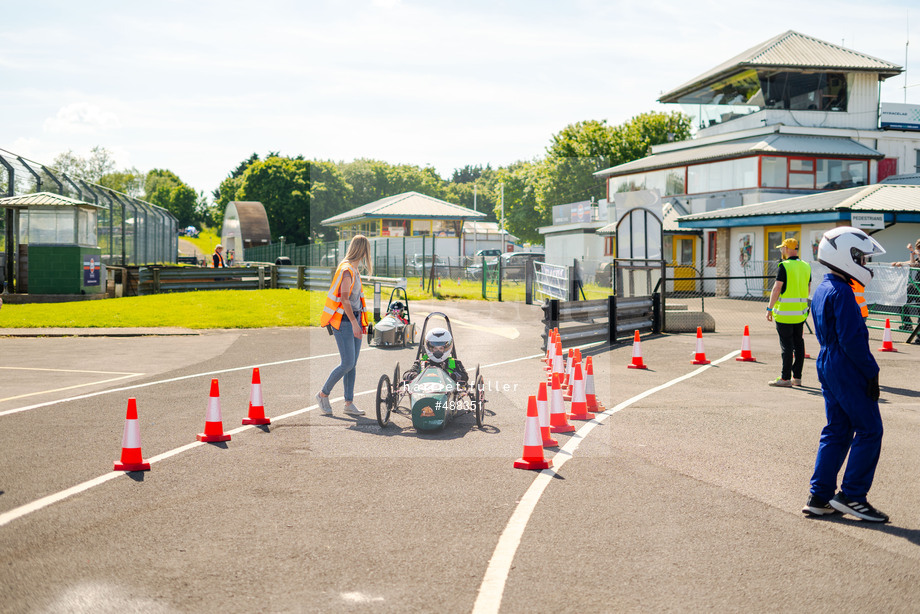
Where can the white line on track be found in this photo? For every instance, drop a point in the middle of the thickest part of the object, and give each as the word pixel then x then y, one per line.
pixel 489 599
pixel 34 506
pixel 167 381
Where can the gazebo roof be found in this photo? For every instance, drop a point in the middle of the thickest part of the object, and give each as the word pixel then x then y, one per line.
pixel 43 199
pixel 405 206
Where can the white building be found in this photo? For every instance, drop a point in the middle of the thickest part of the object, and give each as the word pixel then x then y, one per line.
pixel 793 116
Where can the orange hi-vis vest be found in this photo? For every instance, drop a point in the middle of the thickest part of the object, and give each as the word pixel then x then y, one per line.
pixel 333 310
pixel 859 291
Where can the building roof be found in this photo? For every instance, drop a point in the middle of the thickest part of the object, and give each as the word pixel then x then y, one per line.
pixel 410 205
pixel 43 199
pixel 882 198
pixel 794 51
pixel 776 143
pixel 254 226
pixel 908 179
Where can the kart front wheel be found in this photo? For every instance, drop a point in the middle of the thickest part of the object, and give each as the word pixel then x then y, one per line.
pixel 479 396
pixel 384 400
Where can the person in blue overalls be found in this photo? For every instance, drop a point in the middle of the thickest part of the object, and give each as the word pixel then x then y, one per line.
pixel 849 381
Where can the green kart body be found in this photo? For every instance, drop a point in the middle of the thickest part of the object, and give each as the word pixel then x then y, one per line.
pixel 432 399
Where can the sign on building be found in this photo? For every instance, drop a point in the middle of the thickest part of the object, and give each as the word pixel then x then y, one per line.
pixel 895 116
pixel 869 221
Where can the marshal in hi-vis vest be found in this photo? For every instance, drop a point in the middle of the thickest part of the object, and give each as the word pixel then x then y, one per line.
pixel 792 306
pixel 333 310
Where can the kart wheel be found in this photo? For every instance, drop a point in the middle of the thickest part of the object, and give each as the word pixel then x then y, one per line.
pixel 397 383
pixel 384 400
pixel 479 396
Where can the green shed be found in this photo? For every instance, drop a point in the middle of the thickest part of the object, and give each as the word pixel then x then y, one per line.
pixel 58 252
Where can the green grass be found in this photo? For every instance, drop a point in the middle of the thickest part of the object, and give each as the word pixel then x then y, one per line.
pixel 209 309
pixel 222 308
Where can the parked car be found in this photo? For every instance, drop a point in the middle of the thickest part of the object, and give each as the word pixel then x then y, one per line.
pixel 489 253
pixel 414 266
pixel 515 263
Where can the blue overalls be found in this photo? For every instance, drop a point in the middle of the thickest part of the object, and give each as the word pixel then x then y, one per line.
pixel 845 365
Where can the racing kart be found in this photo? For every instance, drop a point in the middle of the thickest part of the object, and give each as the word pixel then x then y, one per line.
pixel 396 327
pixel 432 393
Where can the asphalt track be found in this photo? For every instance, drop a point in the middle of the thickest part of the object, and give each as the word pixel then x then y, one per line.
pixel 684 496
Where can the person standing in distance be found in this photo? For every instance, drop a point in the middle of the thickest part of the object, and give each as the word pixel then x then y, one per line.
pixel 849 381
pixel 218 257
pixel 789 309
pixel 345 315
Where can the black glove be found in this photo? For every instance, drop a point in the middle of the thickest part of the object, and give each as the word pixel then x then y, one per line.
pixel 872 389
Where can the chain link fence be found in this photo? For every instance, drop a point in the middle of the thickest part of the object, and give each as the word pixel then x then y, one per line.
pixel 129 231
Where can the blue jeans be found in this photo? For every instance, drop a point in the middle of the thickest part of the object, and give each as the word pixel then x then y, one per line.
pixel 349 346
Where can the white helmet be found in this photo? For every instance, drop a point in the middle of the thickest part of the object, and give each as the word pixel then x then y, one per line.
pixel 438 344
pixel 845 249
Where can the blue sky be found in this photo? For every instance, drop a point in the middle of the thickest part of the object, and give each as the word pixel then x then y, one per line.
pixel 197 86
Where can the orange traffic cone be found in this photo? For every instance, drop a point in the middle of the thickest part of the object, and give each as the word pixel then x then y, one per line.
pixel 213 424
pixel 543 412
pixel 746 348
pixel 558 421
pixel 700 357
pixel 590 396
pixel 131 457
pixel 887 345
pixel 576 361
pixel 558 366
pixel 579 402
pixel 256 408
pixel 533 444
pixel 637 354
pixel 569 363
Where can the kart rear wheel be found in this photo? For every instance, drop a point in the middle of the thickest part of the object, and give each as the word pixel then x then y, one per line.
pixel 397 383
pixel 479 396
pixel 384 400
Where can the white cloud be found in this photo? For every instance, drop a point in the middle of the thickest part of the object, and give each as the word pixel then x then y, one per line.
pixel 81 118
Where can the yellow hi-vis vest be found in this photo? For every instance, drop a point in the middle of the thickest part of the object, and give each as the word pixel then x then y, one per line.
pixel 859 291
pixel 792 306
pixel 333 310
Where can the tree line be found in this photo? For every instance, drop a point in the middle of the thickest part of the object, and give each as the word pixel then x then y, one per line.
pixel 298 193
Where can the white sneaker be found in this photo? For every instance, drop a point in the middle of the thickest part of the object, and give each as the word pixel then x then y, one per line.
pixel 352 410
pixel 325 407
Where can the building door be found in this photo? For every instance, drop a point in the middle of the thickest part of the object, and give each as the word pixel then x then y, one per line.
pixel 683 261
pixel 776 235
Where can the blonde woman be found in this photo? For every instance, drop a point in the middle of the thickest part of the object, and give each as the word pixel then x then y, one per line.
pixel 345 315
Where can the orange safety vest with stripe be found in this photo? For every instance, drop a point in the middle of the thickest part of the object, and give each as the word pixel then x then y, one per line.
pixel 333 310
pixel 859 291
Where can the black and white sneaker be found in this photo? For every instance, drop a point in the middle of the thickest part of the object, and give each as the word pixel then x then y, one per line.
pixel 816 506
pixel 841 503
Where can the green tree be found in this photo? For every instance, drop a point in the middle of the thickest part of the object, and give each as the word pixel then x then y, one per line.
pixel 129 181
pixel 164 188
pixel 524 203
pixel 581 149
pixel 297 195
pixel 226 191
pixel 90 169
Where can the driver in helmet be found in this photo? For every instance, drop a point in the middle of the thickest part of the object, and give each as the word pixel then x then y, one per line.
pixel 398 310
pixel 849 381
pixel 438 351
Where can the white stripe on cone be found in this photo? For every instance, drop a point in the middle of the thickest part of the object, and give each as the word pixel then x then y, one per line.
pixel 131 438
pixel 213 414
pixel 255 397
pixel 532 435
pixel 543 412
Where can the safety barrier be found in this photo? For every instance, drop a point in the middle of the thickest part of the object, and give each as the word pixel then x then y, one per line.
pixel 154 280
pixel 604 320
